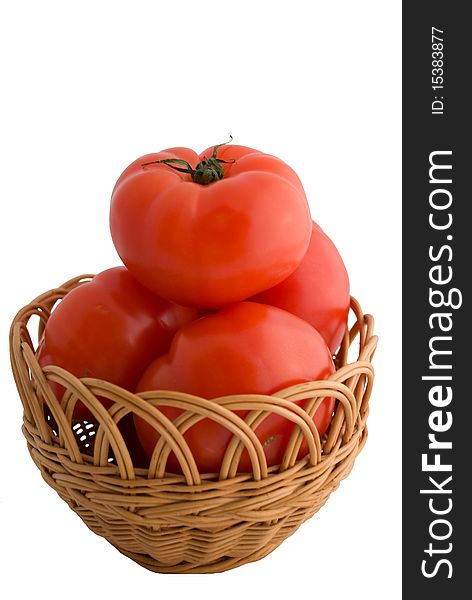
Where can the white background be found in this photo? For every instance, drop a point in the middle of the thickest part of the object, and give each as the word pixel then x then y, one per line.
pixel 90 86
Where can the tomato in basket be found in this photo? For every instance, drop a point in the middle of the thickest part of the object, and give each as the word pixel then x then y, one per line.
pixel 317 291
pixel 212 229
pixel 246 348
pixel 110 328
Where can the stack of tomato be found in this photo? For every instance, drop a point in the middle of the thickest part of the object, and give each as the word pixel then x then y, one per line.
pixel 228 288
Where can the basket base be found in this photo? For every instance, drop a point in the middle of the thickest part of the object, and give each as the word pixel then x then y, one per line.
pixel 224 564
pixel 166 553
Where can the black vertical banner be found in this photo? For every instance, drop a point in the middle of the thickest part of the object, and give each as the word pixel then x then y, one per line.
pixel 437 318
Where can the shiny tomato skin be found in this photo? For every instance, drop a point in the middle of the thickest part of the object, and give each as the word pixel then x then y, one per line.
pixel 210 245
pixel 109 328
pixel 244 348
pixel 317 291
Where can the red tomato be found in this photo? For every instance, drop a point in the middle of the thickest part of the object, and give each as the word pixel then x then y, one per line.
pixel 244 348
pixel 215 234
pixel 318 291
pixel 130 437
pixel 110 328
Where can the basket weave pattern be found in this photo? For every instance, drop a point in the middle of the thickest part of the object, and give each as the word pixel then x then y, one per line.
pixel 191 522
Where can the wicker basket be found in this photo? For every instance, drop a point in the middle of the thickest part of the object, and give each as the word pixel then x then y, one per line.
pixel 189 523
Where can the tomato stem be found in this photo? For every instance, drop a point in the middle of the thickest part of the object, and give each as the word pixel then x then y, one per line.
pixel 207 170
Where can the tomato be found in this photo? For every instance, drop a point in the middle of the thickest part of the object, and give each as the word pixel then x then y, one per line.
pixel 206 232
pixel 318 291
pixel 246 348
pixel 130 437
pixel 110 328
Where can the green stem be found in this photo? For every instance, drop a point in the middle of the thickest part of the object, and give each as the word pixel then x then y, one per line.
pixel 207 170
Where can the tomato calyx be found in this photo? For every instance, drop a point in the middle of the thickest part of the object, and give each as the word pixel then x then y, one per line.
pixel 207 170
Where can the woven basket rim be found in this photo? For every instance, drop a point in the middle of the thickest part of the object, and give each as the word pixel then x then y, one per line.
pixel 43 305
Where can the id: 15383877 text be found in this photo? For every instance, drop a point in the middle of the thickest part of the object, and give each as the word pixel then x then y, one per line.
pixel 437 70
